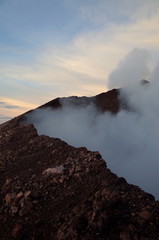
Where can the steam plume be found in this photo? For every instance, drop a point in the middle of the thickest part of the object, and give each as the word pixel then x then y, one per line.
pixel 129 140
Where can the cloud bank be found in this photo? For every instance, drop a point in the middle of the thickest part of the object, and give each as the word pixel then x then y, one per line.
pixel 128 141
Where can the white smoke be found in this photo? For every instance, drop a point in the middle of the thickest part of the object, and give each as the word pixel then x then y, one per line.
pixel 129 140
pixel 131 69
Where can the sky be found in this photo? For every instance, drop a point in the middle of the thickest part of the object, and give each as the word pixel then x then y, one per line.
pixel 51 48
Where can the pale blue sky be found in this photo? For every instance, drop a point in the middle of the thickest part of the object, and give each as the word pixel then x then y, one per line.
pixel 57 48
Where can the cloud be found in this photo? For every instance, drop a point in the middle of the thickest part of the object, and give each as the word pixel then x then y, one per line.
pixel 5 105
pixel 12 107
pixel 133 68
pixel 127 141
pixel 118 11
pixel 90 55
pixel 110 12
pixel 14 102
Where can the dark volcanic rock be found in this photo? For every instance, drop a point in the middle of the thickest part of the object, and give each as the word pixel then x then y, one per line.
pixel 107 101
pixel 53 104
pixel 50 190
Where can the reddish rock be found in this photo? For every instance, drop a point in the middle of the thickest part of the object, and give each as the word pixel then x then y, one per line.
pixel 144 214
pixel 8 180
pixel 14 209
pixel 10 197
pixel 27 194
pixel 55 170
pixel 19 195
pixel 24 211
pixel 17 228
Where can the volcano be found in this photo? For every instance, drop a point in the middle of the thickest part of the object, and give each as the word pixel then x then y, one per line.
pixel 51 190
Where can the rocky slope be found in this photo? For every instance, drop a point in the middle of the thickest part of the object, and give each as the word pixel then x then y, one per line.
pixel 50 190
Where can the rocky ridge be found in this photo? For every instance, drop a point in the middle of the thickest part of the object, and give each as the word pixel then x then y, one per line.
pixel 107 101
pixel 50 190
